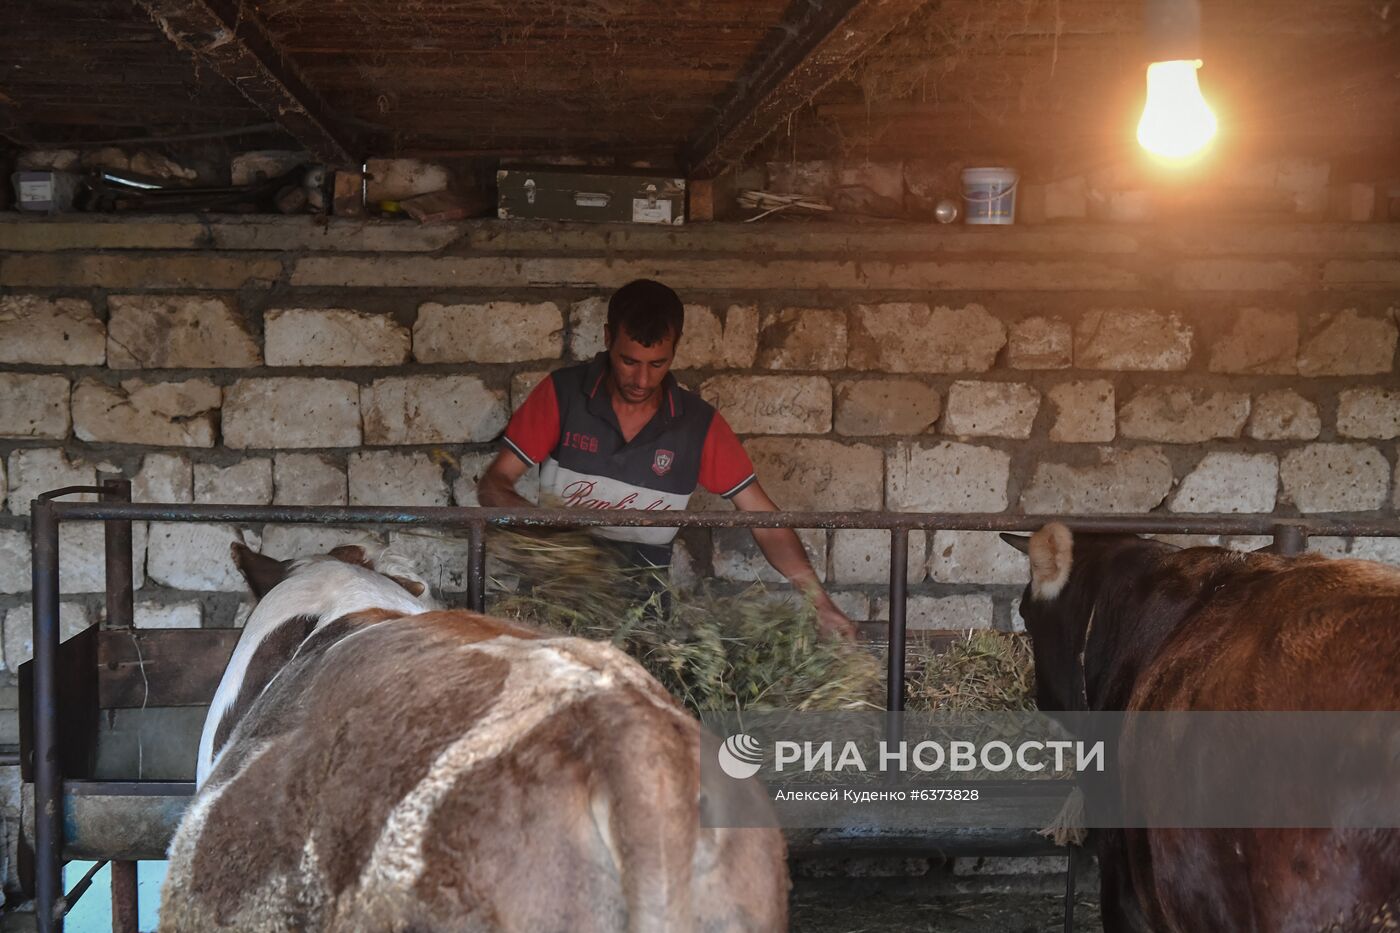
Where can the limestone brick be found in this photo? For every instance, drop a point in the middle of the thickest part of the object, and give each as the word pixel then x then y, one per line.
pixel 1283 415
pixel 194 556
pixel 248 482
pixel 177 332
pixel 1132 339
pixel 432 410
pixel 906 338
pixel 947 477
pixel 1123 480
pixel 991 409
pixel 494 332
pixel 1225 482
pixel 1177 415
pixel 50 332
pixel 307 479
pixel 1259 342
pixel 291 412
pixel 34 405
pixel 334 337
pixel 1335 478
pixel 1349 343
pixel 393 477
pixel 1040 343
pixel 886 406
pixel 803 338
pixel 976 557
pixel 166 414
pixel 772 404
pixel 1369 413
pixel 1085 412
pixel 862 555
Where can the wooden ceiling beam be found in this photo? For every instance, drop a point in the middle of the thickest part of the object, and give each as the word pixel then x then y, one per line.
pixel 822 40
pixel 227 36
pixel 12 123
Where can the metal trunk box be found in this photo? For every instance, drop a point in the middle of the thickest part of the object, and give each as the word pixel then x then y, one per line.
pixel 553 193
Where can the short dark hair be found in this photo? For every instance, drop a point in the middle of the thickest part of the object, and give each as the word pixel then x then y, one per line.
pixel 648 311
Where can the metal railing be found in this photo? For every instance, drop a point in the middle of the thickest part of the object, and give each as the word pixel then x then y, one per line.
pixel 118 512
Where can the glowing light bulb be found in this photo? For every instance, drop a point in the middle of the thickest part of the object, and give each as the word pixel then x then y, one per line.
pixel 1177 122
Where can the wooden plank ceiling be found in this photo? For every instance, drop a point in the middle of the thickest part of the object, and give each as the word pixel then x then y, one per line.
pixel 998 79
pixel 683 83
pixel 76 70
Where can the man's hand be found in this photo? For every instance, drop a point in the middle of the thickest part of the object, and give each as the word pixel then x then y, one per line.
pixel 832 622
pixel 782 548
pixel 497 485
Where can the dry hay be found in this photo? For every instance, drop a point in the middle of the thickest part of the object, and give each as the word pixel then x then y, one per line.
pixel 755 649
pixel 713 651
pixel 982 672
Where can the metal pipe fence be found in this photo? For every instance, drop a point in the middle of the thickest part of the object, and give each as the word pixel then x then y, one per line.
pixel 117 512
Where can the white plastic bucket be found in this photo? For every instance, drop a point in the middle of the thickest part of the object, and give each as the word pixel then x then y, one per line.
pixel 989 195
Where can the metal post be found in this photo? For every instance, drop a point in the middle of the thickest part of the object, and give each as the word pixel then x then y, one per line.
pixel 899 588
pixel 1070 886
pixel 125 907
pixel 120 614
pixel 476 567
pixel 117 535
pixel 1290 539
pixel 48 777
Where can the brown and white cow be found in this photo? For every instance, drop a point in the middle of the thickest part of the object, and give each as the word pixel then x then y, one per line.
pixel 402 770
pixel 1123 623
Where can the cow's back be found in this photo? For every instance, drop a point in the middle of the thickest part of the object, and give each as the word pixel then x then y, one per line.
pixel 450 772
pixel 1281 634
pixel 1284 634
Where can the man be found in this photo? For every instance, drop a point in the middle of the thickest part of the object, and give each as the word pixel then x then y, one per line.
pixel 619 432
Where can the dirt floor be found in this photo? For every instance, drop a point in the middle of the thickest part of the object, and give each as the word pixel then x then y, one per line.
pixel 960 913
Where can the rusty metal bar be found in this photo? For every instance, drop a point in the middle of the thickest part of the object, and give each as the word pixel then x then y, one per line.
pixel 78 890
pixel 1290 539
pixel 48 778
pixel 443 516
pixel 120 614
pixel 476 567
pixel 1072 856
pixel 899 590
pixel 125 898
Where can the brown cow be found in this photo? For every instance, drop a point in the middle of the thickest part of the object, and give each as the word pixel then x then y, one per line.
pixel 447 771
pixel 1118 622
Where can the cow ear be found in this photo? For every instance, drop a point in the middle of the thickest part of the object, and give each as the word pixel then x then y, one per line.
pixel 1051 551
pixel 1021 543
pixel 416 587
pixel 261 572
pixel 352 554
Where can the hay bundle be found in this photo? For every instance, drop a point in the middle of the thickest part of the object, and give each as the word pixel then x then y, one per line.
pixel 713 651
pixel 749 650
pixel 982 672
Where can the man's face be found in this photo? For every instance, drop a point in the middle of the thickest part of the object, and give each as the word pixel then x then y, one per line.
pixel 636 369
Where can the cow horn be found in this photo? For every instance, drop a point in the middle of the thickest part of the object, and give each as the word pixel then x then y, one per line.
pixel 1021 543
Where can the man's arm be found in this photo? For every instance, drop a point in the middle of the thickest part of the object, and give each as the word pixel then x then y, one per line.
pixel 496 488
pixel 783 549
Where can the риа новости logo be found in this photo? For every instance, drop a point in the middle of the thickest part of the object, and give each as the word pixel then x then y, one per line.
pixel 740 756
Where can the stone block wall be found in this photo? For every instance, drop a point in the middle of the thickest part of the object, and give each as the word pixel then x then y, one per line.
pixel 1242 369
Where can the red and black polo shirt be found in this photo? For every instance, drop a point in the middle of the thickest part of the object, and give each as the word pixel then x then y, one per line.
pixel 567 425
